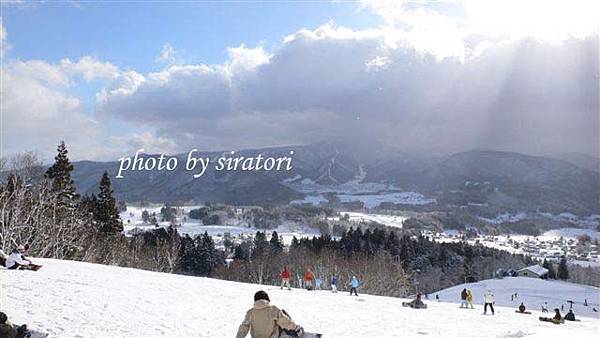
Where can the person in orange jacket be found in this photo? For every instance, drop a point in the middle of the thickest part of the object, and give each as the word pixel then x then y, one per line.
pixel 309 277
pixel 285 278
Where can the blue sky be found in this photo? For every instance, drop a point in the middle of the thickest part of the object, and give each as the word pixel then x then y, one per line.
pixel 424 76
pixel 132 34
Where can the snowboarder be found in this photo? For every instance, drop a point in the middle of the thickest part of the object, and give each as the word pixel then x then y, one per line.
pixel 416 303
pixel 585 302
pixel 266 320
pixel 470 298
pixel 522 308
pixel 309 277
pixel 17 260
pixel 570 316
pixel 488 299
pixel 463 299
pixel 562 307
pixel 285 278
pixel 8 330
pixel 545 307
pixel 437 297
pixel 512 297
pixel 557 319
pixel 354 286
pixel 334 284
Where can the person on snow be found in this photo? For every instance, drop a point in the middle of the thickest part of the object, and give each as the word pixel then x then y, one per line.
pixel 17 260
pixel 570 316
pixel 264 320
pixel 522 308
pixel 417 303
pixel 318 283
pixel 488 299
pixel 354 286
pixel 437 297
pixel 8 330
pixel 334 284
pixel 470 298
pixel 309 277
pixel 285 278
pixel 463 298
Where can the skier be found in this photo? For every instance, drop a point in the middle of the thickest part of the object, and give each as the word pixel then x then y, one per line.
pixel 488 298
pixel 570 316
pixel 437 297
pixel 264 320
pixel 17 260
pixel 8 330
pixel 354 286
pixel 463 298
pixel 334 284
pixel 522 308
pixel 309 277
pixel 470 298
pixel 285 278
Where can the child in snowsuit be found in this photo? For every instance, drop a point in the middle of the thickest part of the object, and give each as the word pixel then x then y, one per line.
pixel 488 299
pixel 264 320
pixel 334 284
pixel 353 286
pixel 285 278
pixel 470 298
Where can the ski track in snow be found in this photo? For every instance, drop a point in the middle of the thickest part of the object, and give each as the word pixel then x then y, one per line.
pixel 75 299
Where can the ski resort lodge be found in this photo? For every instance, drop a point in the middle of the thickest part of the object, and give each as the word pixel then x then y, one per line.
pixel 534 271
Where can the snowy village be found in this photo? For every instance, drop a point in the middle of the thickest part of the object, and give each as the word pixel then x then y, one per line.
pixel 299 169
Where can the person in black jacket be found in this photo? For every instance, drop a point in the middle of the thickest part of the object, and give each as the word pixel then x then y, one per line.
pixel 463 299
pixel 570 316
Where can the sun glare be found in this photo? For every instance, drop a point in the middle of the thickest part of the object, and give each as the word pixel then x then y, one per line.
pixel 551 20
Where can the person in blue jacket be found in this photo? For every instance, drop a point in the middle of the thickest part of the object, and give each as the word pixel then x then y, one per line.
pixel 354 285
pixel 334 284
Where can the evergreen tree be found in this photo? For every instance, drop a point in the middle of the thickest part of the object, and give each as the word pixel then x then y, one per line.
pixel 60 174
pixel 261 246
pixel 563 271
pixel 107 213
pixel 550 267
pixel 276 243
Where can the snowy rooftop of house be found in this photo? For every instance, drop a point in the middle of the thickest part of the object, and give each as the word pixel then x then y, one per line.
pixel 538 270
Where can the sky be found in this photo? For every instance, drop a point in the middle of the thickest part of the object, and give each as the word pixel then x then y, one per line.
pixel 113 77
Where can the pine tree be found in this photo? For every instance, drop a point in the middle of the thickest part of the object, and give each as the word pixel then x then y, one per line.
pixel 563 271
pixel 107 213
pixel 276 243
pixel 550 267
pixel 60 174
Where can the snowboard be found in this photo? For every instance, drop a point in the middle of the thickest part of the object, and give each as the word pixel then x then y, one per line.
pixel 35 267
pixel 545 319
pixel 524 313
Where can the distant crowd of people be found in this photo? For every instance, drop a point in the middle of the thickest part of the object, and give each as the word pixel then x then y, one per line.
pixel 310 282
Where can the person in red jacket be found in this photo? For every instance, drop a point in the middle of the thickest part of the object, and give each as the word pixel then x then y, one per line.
pixel 285 278
pixel 309 277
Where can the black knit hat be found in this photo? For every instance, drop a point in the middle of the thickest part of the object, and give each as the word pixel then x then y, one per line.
pixel 261 295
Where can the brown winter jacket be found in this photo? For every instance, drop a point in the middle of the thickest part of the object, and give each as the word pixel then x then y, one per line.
pixel 264 321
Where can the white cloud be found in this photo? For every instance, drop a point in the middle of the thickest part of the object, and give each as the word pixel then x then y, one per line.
pixel 512 95
pixel 4 46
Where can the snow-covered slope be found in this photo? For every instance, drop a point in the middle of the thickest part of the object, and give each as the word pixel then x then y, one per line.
pixel 533 292
pixel 73 299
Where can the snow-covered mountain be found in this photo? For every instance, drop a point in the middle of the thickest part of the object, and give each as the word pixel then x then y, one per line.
pixel 503 181
pixel 74 299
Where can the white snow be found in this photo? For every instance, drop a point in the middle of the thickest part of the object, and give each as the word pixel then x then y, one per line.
pixel 374 200
pixel 388 220
pixel 533 292
pixel 74 299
